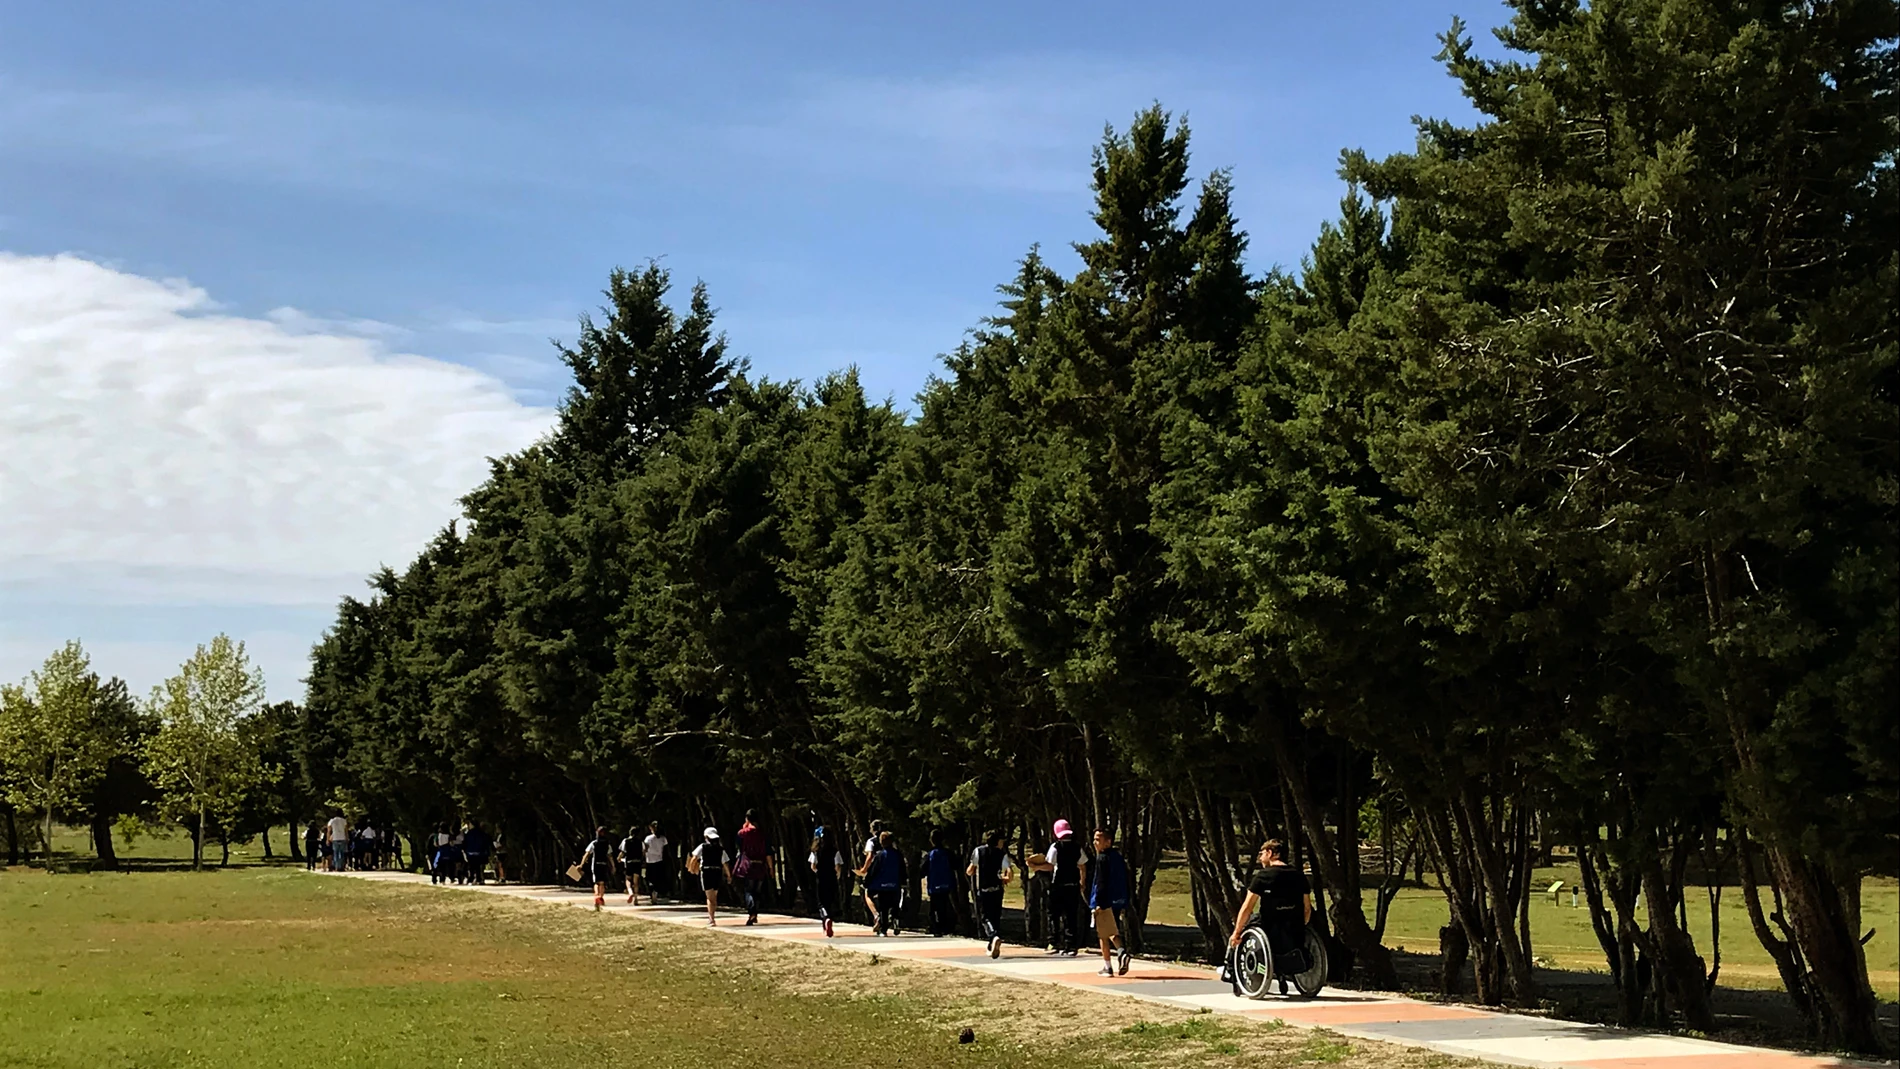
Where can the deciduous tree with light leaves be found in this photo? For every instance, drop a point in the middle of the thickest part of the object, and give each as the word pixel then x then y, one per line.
pixel 53 748
pixel 199 760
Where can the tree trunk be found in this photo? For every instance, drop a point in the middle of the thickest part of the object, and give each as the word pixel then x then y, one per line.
pixel 47 842
pixel 198 842
pixel 1680 968
pixel 1454 949
pixel 1794 979
pixel 1500 905
pixel 1348 909
pixel 296 842
pixel 265 835
pixel 1825 917
pixel 102 841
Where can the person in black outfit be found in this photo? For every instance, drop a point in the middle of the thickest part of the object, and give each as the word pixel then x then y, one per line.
pixel 597 865
pixel 475 849
pixel 989 871
pixel 1284 898
pixel 1068 873
pixel 828 868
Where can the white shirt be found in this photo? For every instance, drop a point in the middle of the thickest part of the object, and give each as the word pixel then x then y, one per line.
pixel 654 846
pixel 339 830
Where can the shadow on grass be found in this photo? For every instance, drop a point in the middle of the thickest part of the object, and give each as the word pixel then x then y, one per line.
pixel 67 864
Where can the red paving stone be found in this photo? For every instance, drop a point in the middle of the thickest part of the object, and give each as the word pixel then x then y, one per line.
pixel 935 952
pixel 1366 1013
pixel 1090 979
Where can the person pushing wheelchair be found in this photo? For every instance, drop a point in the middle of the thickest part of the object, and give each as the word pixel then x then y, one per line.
pixel 1285 903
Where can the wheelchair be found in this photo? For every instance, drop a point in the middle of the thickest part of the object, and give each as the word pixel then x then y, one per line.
pixel 1256 963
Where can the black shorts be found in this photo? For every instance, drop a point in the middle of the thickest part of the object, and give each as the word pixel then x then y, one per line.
pixel 712 879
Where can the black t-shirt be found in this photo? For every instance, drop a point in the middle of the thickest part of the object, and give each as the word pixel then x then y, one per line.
pixel 1066 856
pixel 989 868
pixel 1282 890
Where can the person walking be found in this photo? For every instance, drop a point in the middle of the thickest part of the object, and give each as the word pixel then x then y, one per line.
pixel 884 878
pixel 864 863
pixel 338 832
pixel 1068 873
pixel 312 846
pixel 989 872
pixel 441 855
pixel 476 846
pixel 713 865
pixel 631 865
pixel 653 854
pixel 940 883
pixel 754 867
pixel 827 866
pixel 597 864
pixel 1108 897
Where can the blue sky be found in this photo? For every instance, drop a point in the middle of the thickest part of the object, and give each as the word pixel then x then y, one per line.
pixel 451 182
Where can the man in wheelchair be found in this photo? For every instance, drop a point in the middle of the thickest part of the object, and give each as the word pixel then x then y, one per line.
pixel 1284 903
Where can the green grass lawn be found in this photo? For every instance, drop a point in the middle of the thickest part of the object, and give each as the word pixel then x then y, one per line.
pixel 266 966
pixel 1561 936
pixel 160 843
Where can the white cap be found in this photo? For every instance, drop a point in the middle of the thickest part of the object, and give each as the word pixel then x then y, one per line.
pixel 712 833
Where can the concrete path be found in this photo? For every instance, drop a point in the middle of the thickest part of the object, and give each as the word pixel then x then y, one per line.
pixel 1504 1038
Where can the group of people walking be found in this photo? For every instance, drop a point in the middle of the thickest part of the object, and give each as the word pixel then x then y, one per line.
pixel 639 861
pixel 462 856
pixel 341 846
pixel 1096 876
pixel 453 855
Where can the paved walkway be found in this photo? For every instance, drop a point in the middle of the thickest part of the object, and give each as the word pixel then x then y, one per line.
pixel 1504 1038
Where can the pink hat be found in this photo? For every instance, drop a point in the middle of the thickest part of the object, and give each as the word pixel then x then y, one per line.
pixel 1062 829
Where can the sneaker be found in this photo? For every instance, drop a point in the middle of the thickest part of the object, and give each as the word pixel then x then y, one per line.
pixel 1121 962
pixel 1054 952
pixel 1105 970
pixel 996 946
pixel 750 921
pixel 827 927
pixel 1069 953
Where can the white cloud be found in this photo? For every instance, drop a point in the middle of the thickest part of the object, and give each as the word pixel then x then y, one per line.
pixel 154 452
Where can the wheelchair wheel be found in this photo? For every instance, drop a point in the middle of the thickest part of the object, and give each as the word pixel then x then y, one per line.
pixel 1309 980
pixel 1253 964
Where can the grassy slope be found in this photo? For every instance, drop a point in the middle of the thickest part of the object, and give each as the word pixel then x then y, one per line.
pixel 263 967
